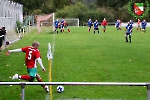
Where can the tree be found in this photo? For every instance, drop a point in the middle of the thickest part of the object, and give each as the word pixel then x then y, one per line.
pixel 112 3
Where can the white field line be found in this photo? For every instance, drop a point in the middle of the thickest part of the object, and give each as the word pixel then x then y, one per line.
pixel 47 96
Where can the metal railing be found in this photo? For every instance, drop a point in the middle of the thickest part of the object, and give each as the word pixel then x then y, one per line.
pixel 22 84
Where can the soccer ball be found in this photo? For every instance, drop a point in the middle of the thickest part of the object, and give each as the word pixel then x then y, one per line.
pixel 60 89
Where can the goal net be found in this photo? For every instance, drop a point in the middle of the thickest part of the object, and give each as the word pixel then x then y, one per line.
pixel 43 21
pixel 71 21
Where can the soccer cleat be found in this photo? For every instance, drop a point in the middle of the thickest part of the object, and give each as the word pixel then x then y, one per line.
pixel 15 77
pixel 46 88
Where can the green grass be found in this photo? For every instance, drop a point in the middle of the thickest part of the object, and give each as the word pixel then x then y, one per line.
pixel 82 56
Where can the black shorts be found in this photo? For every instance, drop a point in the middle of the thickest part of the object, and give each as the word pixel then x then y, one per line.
pixel 90 26
pixel 128 33
pixel 96 28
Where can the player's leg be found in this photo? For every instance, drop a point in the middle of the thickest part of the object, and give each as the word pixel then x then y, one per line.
pixel 119 27
pixel 98 30
pixel 56 29
pixel 126 37
pixel 130 38
pixel 68 29
pixel 89 28
pixel 32 74
pixel 143 30
pixel 24 77
pixel 62 28
pixel 39 79
pixel 1 42
pixel 94 30
pixel 104 28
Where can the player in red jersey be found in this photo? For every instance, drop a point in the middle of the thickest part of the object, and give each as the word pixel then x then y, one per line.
pixel 31 58
pixel 139 24
pixel 104 24
pixel 66 26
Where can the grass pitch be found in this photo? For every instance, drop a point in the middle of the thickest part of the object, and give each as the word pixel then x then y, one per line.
pixel 83 56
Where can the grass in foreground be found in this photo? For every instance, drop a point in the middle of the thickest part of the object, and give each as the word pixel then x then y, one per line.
pixel 81 56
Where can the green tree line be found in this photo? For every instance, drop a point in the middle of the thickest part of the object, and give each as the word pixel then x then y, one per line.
pixel 82 9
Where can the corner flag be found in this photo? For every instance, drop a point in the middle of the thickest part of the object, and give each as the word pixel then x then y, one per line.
pixel 49 53
pixel 49 56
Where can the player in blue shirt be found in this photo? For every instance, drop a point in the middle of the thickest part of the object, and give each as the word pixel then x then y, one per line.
pixel 62 25
pixel 118 25
pixel 89 23
pixel 131 22
pixel 128 30
pixel 143 25
pixel 56 25
pixel 96 24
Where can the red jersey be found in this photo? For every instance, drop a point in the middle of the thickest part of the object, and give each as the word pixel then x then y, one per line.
pixel 31 55
pixel 104 23
pixel 65 24
pixel 139 22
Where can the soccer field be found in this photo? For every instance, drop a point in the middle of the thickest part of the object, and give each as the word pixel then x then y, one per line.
pixel 83 56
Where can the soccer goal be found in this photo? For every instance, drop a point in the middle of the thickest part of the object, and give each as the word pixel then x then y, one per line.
pixel 71 21
pixel 45 21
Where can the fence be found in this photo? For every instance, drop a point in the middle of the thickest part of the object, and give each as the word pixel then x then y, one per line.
pixel 77 83
pixel 10 12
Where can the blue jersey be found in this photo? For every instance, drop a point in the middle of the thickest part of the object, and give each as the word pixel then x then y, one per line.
pixel 131 23
pixel 89 22
pixel 117 23
pixel 129 28
pixel 143 24
pixel 56 24
pixel 62 23
pixel 96 24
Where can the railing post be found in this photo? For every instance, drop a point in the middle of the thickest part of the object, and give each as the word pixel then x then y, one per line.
pixel 148 91
pixel 22 91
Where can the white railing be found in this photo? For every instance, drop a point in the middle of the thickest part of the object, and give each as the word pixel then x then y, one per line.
pixel 78 83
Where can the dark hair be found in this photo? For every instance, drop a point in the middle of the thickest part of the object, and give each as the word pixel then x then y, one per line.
pixel 3 27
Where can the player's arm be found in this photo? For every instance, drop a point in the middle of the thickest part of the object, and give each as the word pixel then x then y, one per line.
pixel 125 29
pixel 41 64
pixel 15 50
pixel 131 29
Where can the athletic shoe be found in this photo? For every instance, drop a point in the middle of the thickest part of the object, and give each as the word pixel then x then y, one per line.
pixel 46 88
pixel 15 77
